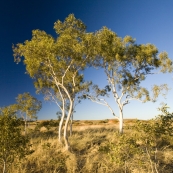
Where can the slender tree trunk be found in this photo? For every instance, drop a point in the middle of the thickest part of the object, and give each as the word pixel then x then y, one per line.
pixel 60 127
pixel 66 126
pixel 121 120
pixel 71 124
pixel 62 117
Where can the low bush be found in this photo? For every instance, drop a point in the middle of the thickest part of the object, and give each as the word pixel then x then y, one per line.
pixel 88 122
pixel 103 121
pixel 145 147
pixel 47 124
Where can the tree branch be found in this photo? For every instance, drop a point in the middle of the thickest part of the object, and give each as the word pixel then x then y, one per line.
pixel 66 71
pixel 98 101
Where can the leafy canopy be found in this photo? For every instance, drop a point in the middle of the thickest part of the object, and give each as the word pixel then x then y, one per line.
pixel 127 64
pixel 56 61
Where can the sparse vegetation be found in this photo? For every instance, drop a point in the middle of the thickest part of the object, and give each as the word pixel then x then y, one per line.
pixel 145 146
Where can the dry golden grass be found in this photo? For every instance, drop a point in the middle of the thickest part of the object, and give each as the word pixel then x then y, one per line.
pixel 85 155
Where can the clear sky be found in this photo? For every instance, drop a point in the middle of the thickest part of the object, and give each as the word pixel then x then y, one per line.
pixel 149 21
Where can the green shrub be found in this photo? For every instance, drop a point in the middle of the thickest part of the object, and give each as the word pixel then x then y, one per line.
pixel 48 124
pixel 13 145
pixel 143 148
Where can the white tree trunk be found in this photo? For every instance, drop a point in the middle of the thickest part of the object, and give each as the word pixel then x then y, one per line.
pixel 71 123
pixel 60 126
pixel 66 126
pixel 121 120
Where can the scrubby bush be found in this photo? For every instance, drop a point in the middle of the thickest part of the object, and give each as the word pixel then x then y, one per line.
pixel 13 145
pixel 88 122
pixel 143 149
pixel 103 121
pixel 47 124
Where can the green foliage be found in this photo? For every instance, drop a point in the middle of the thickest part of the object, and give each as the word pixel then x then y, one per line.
pixel 140 148
pixel 153 134
pixel 49 124
pixel 122 150
pixel 165 121
pixel 28 105
pixel 127 64
pixel 13 145
pixel 56 61
pixel 157 90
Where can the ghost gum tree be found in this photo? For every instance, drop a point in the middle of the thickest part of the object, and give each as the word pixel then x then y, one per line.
pixel 57 63
pixel 27 106
pixel 60 98
pixel 126 65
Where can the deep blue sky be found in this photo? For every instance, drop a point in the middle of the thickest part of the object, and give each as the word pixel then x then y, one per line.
pixel 149 21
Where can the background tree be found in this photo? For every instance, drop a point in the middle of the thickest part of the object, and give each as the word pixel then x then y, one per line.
pixel 126 65
pixel 13 145
pixel 28 106
pixel 58 63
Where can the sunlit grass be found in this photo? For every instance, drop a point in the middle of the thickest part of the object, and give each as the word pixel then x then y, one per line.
pixel 85 155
